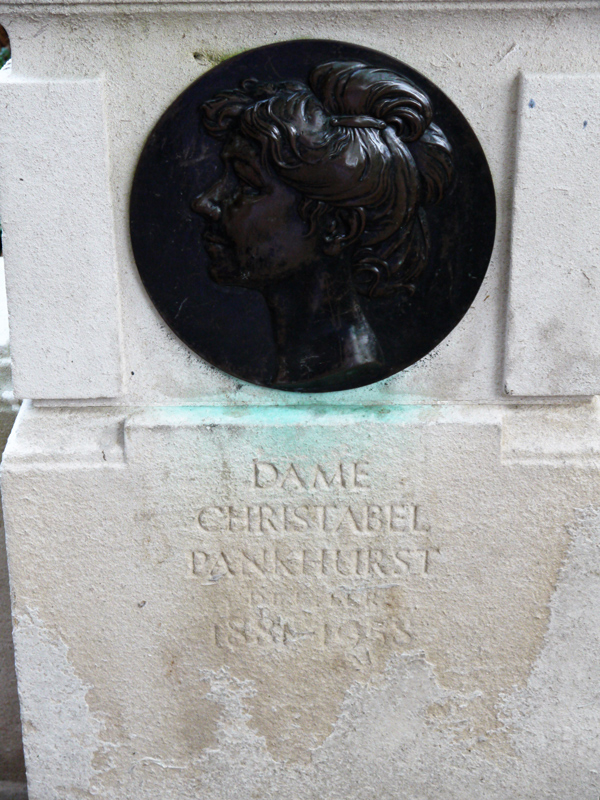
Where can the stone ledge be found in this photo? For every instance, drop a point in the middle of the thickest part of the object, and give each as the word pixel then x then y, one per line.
pixel 128 7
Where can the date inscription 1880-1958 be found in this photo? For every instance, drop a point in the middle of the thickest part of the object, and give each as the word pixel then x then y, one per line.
pixel 317 226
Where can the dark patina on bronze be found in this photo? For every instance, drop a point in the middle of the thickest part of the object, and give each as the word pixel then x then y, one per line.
pixel 312 216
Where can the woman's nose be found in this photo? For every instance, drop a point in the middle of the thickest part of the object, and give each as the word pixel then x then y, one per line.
pixel 207 205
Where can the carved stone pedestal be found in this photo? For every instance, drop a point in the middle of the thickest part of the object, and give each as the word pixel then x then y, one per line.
pixel 215 603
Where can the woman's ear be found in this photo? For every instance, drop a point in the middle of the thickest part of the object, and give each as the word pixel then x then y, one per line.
pixel 340 228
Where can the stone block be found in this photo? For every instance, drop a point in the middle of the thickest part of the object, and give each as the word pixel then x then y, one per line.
pixel 58 239
pixel 553 340
pixel 274 603
pixel 473 53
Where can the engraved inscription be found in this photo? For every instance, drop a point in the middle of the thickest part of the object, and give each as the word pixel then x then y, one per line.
pixel 274 518
pixel 266 629
pixel 348 562
pixel 352 476
pixel 317 558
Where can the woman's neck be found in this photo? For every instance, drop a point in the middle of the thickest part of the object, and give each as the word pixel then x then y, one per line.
pixel 320 330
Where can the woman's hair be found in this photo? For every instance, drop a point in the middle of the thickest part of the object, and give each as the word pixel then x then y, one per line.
pixel 359 146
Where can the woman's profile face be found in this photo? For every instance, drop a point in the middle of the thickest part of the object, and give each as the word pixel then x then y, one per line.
pixel 253 233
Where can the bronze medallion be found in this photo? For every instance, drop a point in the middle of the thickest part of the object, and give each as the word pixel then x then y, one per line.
pixel 312 216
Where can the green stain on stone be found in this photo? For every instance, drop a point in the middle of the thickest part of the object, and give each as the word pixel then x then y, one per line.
pixel 293 416
pixel 213 57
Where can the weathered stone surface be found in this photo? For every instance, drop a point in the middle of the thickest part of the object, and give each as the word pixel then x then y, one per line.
pixel 58 239
pixel 553 330
pixel 273 603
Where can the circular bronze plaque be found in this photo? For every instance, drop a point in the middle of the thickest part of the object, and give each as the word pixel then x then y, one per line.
pixel 312 216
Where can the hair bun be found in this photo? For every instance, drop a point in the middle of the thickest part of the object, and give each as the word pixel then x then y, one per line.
pixel 356 90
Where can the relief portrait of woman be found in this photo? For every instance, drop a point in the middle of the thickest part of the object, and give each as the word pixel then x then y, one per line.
pixel 341 197
pixel 321 201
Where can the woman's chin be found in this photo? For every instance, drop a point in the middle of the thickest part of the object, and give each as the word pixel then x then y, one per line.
pixel 221 267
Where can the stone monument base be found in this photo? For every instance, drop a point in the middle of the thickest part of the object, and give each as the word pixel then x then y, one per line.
pixel 292 603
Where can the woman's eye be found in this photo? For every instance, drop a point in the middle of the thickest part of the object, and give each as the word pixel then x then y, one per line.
pixel 249 189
